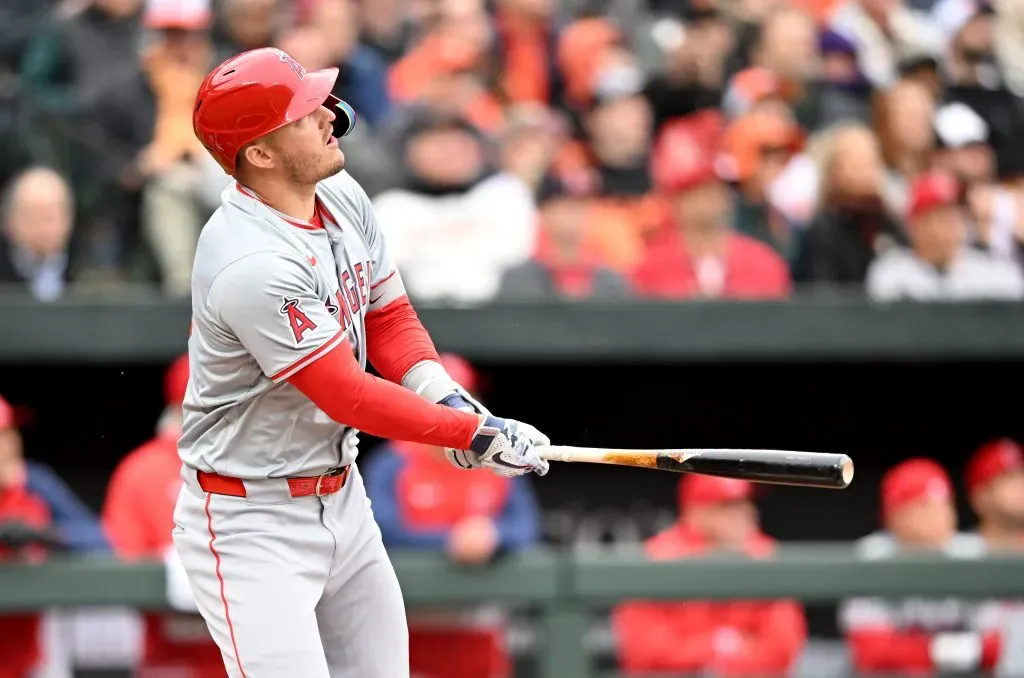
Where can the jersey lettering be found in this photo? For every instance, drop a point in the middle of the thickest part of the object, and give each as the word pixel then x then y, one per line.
pixel 297 319
pixel 342 309
pixel 350 292
pixel 361 280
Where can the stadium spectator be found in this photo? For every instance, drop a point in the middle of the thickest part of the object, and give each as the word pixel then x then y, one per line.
pixel 386 27
pixel 563 267
pixel 734 638
pixel 888 35
pixel 903 118
pixel 695 69
pixel 35 241
pixel 362 74
pixel 39 514
pixel 446 69
pixel 939 264
pixel 844 89
pixel 421 501
pixel 787 47
pixel 70 63
pixel 970 53
pixel 247 24
pixel 995 488
pixel 962 144
pixel 149 116
pixel 138 516
pixel 529 143
pixel 618 128
pixel 914 635
pixel 756 149
pixel 443 230
pixel 699 254
pixel 851 225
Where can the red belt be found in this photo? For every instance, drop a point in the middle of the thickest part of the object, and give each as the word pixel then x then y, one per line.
pixel 328 483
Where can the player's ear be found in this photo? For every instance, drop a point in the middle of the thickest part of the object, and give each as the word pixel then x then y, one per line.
pixel 259 155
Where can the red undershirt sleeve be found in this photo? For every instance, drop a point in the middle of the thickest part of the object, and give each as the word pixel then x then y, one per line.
pixel 338 385
pixel 396 340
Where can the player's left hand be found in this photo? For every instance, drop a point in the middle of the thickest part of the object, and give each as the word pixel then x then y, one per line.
pixel 506 447
pixel 462 400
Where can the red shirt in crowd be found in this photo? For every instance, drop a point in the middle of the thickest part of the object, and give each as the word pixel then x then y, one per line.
pixel 749 269
pixel 138 517
pixel 433 496
pixel 725 638
pixel 19 634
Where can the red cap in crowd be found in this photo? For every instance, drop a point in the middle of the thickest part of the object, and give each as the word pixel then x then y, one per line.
pixel 991 460
pixel 459 369
pixel 176 381
pixel 698 490
pixel 685 152
pixel 914 480
pixel 6 415
pixel 931 190
pixel 190 15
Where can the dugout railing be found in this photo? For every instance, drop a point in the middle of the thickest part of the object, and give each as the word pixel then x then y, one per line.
pixel 565 589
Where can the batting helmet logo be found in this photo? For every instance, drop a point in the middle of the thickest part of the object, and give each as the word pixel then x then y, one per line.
pixel 296 66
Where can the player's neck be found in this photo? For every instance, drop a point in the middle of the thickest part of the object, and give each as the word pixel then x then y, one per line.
pixel 296 202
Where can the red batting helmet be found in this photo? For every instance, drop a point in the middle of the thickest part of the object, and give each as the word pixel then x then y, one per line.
pixel 257 92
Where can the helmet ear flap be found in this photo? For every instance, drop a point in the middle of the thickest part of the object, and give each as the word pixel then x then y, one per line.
pixel 345 121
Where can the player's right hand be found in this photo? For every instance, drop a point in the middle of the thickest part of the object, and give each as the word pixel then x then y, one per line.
pixel 506 447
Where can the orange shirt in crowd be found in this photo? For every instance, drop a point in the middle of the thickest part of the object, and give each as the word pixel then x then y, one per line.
pixel 726 638
pixel 138 517
pixel 749 269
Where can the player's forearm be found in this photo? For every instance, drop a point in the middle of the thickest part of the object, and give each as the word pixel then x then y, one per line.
pixel 338 386
pixel 396 340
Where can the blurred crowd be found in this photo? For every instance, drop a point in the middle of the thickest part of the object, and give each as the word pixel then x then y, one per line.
pixel 422 503
pixel 534 149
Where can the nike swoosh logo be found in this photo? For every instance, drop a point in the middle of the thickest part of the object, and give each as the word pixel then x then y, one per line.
pixel 374 301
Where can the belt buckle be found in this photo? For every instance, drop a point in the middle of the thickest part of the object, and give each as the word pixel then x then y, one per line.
pixel 319 482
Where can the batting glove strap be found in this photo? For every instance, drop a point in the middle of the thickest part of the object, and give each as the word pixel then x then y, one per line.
pixel 457 401
pixel 501 445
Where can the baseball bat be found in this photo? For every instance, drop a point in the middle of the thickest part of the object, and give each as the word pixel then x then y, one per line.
pixel 778 467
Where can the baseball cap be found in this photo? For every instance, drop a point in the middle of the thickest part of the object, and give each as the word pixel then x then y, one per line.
pixel 931 190
pixel 748 87
pixel 992 460
pixel 190 15
pixel 958 125
pixel 176 381
pixel 685 152
pixel 6 415
pixel 701 490
pixel 914 480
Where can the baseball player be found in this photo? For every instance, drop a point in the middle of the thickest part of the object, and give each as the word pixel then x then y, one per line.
pixel 292 293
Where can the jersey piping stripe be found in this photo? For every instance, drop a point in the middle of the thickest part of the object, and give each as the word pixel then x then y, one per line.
pixel 220 579
pixel 297 224
pixel 310 357
pixel 381 282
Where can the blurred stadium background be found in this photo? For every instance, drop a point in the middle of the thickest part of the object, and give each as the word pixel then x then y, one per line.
pixel 637 223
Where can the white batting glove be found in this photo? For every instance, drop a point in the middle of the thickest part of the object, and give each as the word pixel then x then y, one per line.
pixel 462 400
pixel 506 447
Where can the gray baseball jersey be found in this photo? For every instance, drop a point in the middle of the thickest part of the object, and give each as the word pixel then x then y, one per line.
pixel 269 296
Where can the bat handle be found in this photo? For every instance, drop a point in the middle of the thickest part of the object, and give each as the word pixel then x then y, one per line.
pixel 572 454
